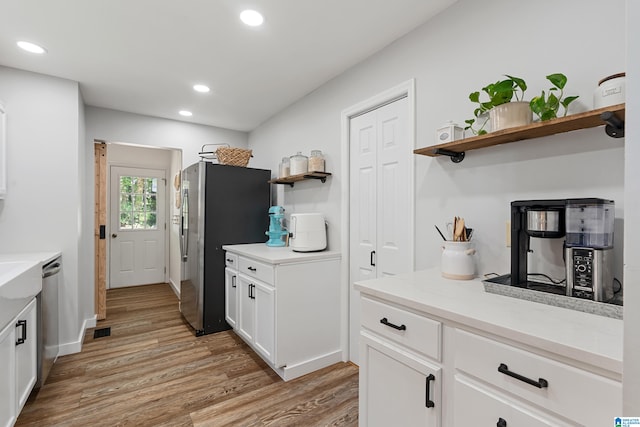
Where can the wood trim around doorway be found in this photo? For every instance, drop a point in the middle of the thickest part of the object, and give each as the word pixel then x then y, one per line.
pixel 100 196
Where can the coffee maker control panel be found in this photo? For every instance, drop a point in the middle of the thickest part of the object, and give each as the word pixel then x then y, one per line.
pixel 582 273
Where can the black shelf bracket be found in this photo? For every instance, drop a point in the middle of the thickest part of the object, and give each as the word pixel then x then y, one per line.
pixel 455 157
pixel 322 179
pixel 615 125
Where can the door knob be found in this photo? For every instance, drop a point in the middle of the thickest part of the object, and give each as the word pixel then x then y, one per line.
pixel 114 235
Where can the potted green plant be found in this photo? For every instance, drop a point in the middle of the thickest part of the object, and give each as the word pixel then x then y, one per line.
pixel 501 110
pixel 546 106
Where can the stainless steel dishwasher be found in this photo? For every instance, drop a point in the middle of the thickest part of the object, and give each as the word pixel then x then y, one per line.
pixel 48 336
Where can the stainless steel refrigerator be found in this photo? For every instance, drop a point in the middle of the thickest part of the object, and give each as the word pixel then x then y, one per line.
pixel 221 205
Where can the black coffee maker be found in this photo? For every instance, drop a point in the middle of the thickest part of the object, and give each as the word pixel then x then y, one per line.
pixel 588 248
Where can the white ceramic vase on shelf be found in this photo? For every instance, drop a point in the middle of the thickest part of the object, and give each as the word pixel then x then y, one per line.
pixel 509 115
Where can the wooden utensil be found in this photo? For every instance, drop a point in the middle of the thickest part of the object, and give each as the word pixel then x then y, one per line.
pixel 459 229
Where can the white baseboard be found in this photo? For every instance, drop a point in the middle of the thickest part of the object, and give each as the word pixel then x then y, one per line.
pixel 176 288
pixel 76 346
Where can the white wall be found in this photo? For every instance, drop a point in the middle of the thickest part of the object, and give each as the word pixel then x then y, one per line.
pixel 467 46
pixel 43 207
pixel 118 126
pixel 631 384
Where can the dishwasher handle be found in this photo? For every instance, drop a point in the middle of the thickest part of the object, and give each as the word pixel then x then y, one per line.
pixel 51 269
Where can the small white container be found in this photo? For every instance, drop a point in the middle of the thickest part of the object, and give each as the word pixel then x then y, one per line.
pixel 449 132
pixel 610 91
pixel 458 261
pixel 316 161
pixel 285 169
pixel 299 164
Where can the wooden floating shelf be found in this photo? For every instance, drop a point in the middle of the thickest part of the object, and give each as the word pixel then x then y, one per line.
pixel 589 119
pixel 322 176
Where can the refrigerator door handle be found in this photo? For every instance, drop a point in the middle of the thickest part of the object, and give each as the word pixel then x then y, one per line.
pixel 184 238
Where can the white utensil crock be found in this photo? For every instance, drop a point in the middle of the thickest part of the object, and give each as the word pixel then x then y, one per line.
pixel 458 261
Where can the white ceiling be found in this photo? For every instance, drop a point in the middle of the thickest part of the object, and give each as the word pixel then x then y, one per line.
pixel 143 56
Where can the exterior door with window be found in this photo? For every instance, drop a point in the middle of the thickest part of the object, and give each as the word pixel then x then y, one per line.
pixel 138 228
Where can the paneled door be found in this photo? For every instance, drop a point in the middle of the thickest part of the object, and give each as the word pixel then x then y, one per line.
pixel 380 200
pixel 137 226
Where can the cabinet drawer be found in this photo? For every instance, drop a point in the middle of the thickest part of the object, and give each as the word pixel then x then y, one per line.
pixel 256 269
pixel 582 396
pixel 409 329
pixel 492 409
pixel 231 260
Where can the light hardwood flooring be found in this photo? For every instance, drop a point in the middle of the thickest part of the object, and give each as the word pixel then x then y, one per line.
pixel 153 371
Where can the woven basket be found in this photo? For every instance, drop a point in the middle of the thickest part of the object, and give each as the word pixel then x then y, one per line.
pixel 233 156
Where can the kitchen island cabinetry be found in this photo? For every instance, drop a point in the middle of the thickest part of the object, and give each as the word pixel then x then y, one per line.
pixel 498 360
pixel 286 306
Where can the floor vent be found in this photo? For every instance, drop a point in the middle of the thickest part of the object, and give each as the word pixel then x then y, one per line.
pixel 99 333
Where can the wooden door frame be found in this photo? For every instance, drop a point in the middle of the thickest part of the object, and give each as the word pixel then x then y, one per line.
pixel 100 223
pixel 407 89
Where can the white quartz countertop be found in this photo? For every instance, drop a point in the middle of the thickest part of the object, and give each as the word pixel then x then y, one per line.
pixel 41 257
pixel 278 255
pixel 592 339
pixel 21 281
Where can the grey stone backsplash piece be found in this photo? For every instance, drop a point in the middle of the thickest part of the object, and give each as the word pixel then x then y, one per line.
pixel 587 306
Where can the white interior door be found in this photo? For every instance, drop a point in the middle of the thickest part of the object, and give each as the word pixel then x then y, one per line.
pixel 137 225
pixel 381 220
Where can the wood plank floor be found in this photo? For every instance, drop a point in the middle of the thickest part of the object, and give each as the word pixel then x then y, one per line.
pixel 152 371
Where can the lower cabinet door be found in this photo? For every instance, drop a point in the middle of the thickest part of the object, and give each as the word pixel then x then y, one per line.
pixel 475 405
pixel 7 376
pixel 231 297
pixel 26 353
pixel 246 308
pixel 265 320
pixel 397 388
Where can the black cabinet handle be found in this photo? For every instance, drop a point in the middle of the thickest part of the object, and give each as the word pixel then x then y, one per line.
pixel 541 383
pixel 252 269
pixel 501 422
pixel 372 260
pixel 384 321
pixel 229 260
pixel 233 281
pixel 428 402
pixel 23 336
pixel 252 294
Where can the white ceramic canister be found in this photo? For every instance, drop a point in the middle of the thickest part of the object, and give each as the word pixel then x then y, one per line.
pixel 610 91
pixel 298 164
pixel 458 261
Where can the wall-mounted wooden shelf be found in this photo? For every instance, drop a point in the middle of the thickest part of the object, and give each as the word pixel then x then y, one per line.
pixel 589 119
pixel 322 176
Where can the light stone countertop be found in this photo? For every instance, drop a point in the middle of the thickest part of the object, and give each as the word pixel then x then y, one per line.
pixel 592 339
pixel 278 255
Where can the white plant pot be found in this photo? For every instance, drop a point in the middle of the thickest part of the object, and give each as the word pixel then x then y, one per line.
pixel 509 115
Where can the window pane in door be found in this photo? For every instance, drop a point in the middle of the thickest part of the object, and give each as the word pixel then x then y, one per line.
pixel 138 204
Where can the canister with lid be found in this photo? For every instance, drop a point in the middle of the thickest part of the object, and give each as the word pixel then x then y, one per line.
pixel 316 161
pixel 610 91
pixel 285 169
pixel 299 164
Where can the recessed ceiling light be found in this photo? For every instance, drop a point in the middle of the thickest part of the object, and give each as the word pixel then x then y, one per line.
pixel 201 88
pixel 31 47
pixel 185 113
pixel 251 18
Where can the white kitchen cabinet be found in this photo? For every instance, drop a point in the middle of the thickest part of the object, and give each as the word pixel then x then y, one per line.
pixel 8 376
pixel 495 360
pixel 256 321
pixel 18 363
pixel 26 353
pixel 231 296
pixel 397 387
pixel 288 306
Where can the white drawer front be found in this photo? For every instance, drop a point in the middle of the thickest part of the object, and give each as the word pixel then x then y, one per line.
pixel 584 397
pixel 409 329
pixel 256 269
pixel 231 260
pixel 477 406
